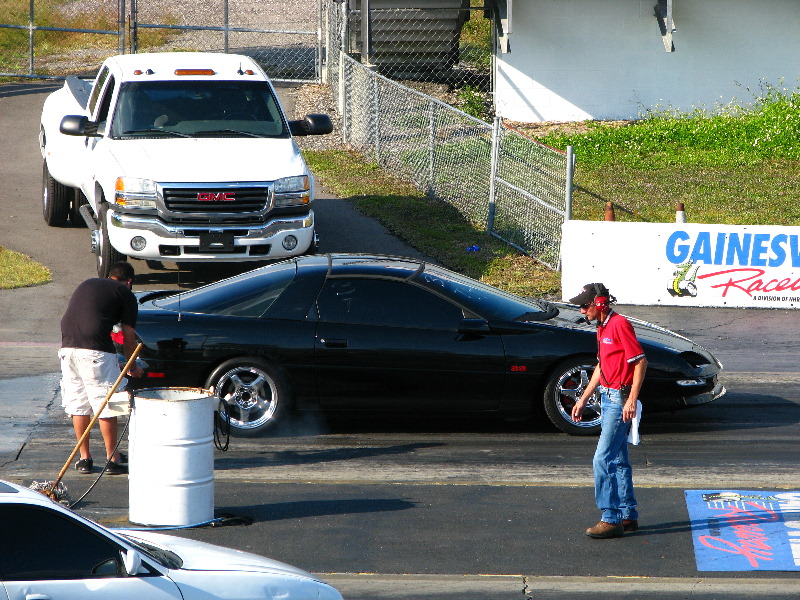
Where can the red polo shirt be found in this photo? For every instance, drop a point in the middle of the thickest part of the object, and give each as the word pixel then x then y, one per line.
pixel 617 350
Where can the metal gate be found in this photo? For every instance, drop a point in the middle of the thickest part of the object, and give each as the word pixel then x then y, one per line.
pixel 50 39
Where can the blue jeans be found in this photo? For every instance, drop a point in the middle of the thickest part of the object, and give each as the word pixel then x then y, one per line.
pixel 613 476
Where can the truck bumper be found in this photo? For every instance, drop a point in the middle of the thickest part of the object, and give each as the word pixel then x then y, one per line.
pixel 151 239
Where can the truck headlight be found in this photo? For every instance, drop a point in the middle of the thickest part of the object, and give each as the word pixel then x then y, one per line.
pixel 134 192
pixel 292 191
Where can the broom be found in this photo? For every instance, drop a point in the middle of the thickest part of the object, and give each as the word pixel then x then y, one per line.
pixel 50 490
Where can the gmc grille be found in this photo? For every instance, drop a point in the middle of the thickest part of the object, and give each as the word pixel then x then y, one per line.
pixel 247 200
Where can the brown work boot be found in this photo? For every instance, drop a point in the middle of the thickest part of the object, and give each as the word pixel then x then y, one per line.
pixel 630 524
pixel 605 530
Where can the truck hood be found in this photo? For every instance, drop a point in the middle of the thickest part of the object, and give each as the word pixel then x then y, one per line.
pixel 199 160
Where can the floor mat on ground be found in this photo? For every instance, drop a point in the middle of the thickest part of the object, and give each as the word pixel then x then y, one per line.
pixel 736 530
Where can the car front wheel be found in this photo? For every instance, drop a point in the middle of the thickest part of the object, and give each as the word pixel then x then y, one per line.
pixel 106 255
pixel 564 389
pixel 256 394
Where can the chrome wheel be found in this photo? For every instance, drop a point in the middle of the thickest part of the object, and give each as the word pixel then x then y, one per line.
pixel 254 392
pixel 562 392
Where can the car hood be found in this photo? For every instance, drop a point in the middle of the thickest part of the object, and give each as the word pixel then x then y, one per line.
pixel 199 160
pixel 200 556
pixel 648 334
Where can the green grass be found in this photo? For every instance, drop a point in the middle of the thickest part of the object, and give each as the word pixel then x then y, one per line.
pixel 431 226
pixel 733 164
pixel 18 270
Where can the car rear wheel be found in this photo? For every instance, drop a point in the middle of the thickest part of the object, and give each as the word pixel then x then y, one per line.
pixel 55 199
pixel 256 393
pixel 563 389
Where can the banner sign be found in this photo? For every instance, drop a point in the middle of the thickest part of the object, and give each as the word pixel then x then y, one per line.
pixel 745 530
pixel 684 264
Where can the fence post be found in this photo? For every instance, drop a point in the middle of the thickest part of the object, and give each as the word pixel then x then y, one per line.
pixel 495 158
pixel 342 46
pixel 376 115
pixel 568 190
pixel 121 23
pixel 134 26
pixel 31 26
pixel 366 33
pixel 431 150
pixel 226 24
pixel 320 47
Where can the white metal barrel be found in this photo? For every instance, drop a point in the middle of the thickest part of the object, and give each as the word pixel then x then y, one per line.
pixel 171 457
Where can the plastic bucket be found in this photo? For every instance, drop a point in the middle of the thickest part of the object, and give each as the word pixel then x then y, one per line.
pixel 171 457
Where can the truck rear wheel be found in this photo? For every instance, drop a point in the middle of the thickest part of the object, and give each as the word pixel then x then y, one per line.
pixel 55 199
pixel 107 255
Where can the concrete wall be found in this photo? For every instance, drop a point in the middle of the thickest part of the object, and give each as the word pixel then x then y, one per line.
pixel 605 59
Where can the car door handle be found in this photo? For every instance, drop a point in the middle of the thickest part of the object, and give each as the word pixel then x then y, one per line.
pixel 37 597
pixel 334 343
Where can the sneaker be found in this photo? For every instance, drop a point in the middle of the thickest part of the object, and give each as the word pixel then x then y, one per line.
pixel 605 530
pixel 84 465
pixel 115 468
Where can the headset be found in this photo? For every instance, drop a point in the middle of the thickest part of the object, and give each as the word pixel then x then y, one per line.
pixel 601 299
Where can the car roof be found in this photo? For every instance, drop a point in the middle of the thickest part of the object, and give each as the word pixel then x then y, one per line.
pixel 373 265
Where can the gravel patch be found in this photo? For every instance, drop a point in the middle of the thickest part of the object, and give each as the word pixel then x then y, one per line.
pixel 317 98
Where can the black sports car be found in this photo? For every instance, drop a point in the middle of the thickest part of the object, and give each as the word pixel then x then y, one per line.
pixel 362 332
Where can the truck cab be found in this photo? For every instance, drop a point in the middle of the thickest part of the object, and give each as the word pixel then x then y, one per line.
pixel 180 157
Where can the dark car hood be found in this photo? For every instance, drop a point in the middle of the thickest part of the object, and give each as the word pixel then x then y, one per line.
pixel 648 334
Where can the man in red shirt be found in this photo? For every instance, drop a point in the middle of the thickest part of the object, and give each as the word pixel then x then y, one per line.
pixel 618 375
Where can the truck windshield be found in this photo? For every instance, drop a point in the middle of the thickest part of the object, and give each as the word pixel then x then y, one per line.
pixel 197 108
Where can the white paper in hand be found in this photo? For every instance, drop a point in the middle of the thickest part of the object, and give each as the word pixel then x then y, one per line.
pixel 633 435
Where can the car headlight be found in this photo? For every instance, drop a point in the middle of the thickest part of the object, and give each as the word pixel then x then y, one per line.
pixel 292 191
pixel 134 192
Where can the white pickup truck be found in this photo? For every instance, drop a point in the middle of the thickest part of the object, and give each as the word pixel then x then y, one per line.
pixel 178 156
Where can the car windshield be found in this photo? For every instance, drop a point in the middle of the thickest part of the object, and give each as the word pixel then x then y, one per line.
pixel 482 299
pixel 247 295
pixel 197 109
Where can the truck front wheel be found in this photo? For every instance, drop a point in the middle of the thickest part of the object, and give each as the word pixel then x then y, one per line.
pixel 107 255
pixel 55 199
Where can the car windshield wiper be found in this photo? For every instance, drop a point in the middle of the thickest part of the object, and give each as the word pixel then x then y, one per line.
pixel 233 131
pixel 154 130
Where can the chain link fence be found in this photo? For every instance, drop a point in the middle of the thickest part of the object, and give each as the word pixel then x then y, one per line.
pixel 52 38
pixel 516 188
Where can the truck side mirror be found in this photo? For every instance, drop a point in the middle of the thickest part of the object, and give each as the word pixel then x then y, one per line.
pixel 313 124
pixel 79 126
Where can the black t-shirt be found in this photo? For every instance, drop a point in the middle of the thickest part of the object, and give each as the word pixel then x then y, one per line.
pixel 95 307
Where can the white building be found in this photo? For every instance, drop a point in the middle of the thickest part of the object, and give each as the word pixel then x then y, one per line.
pixel 566 60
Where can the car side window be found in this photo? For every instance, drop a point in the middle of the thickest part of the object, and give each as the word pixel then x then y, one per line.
pixel 105 102
pixel 98 87
pixel 42 544
pixel 385 302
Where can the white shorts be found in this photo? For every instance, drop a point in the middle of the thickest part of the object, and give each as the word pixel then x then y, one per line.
pixel 86 378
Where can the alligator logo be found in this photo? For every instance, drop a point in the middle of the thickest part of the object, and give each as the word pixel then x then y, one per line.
pixel 683 284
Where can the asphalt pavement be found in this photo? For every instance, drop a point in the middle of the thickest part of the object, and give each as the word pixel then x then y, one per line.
pixel 398 525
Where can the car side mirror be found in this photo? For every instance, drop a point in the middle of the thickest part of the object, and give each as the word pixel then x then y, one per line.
pixel 474 327
pixel 133 561
pixel 79 126
pixel 313 124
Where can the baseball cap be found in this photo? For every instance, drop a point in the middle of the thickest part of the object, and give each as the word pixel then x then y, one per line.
pixel 588 293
